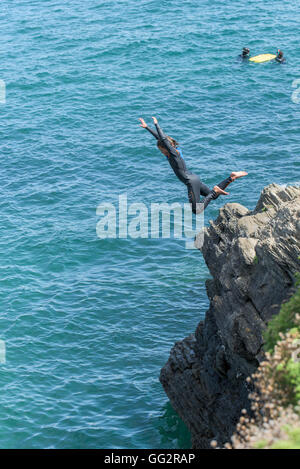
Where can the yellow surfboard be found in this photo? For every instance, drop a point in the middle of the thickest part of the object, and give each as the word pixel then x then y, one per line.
pixel 262 58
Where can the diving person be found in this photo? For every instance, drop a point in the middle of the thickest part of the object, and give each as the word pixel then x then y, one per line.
pixel 196 188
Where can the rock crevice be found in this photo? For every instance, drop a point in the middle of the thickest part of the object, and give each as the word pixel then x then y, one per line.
pixel 252 257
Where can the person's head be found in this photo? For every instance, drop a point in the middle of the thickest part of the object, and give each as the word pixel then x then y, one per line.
pixel 163 149
pixel 246 51
pixel 279 54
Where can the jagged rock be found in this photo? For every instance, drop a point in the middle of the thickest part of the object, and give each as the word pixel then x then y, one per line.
pixel 252 257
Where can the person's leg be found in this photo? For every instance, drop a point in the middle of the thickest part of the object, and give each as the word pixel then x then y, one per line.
pixel 194 193
pixel 233 176
pixel 204 189
pixel 225 183
pixel 195 189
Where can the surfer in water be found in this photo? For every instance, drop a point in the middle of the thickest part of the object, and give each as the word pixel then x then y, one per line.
pixel 279 57
pixel 196 188
pixel 245 55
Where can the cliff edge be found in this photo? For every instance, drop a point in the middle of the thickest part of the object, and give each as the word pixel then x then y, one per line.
pixel 252 257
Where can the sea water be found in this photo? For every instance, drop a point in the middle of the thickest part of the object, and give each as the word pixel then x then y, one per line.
pixel 86 324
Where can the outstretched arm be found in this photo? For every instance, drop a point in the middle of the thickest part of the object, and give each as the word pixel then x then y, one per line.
pixel 145 126
pixel 163 138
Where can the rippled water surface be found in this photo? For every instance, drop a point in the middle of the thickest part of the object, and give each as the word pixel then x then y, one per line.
pixel 88 323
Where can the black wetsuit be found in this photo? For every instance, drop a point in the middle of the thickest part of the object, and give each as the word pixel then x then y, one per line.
pixel 244 57
pixel 195 186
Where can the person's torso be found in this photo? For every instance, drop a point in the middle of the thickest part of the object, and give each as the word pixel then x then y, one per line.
pixel 179 167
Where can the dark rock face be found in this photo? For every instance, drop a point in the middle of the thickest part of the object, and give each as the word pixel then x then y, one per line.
pixel 252 257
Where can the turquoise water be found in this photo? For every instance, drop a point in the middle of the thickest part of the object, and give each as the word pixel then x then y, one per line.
pixel 88 323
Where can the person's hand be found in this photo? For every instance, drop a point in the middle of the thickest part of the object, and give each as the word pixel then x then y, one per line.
pixel 143 123
pixel 155 120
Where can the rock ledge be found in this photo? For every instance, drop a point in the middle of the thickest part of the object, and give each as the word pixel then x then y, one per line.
pixel 252 257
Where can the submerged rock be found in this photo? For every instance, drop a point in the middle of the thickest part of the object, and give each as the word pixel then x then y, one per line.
pixel 252 257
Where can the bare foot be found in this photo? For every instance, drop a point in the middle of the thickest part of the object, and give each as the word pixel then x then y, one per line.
pixel 238 174
pixel 220 191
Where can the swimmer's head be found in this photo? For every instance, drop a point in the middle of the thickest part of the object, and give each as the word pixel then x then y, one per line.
pixel 162 148
pixel 279 54
pixel 246 51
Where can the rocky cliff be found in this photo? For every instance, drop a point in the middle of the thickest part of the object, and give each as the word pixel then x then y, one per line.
pixel 252 257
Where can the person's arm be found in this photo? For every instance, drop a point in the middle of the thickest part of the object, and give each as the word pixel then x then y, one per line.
pixel 163 138
pixel 152 132
pixel 145 126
